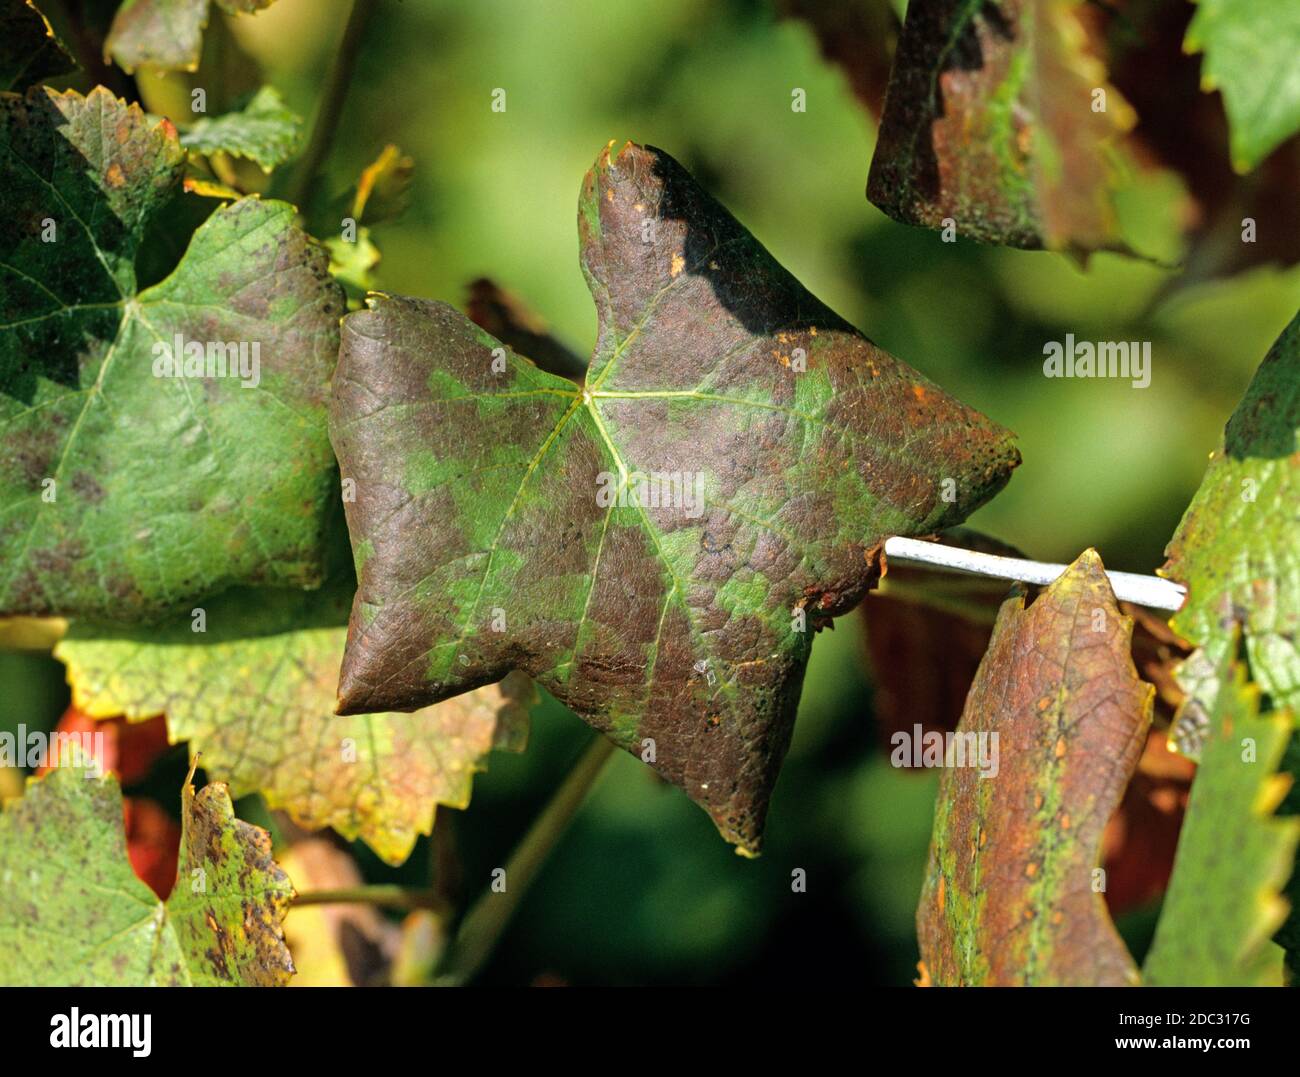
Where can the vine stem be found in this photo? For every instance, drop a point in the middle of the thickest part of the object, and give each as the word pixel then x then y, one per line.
pixel 330 111
pixel 393 897
pixel 487 919
pixel 1150 591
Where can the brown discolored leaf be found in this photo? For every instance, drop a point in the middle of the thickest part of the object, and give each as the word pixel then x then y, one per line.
pixel 503 518
pixel 989 121
pixel 927 629
pixel 1009 895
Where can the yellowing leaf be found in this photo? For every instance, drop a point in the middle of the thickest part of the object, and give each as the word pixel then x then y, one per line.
pixel 255 693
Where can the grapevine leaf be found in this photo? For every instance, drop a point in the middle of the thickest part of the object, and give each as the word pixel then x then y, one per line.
pixel 95 517
pixel 63 852
pixel 1235 548
pixel 1009 895
pixel 989 121
pixel 1234 855
pixel 265 130
pixel 254 694
pixel 506 519
pixel 29 51
pixel 1250 56
pixel 165 34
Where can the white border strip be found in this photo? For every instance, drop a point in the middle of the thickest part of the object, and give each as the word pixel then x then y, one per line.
pixel 1151 591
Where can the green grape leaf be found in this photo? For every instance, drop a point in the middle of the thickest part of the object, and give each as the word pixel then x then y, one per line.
pixel 265 130
pixel 656 546
pixel 254 693
pixel 1234 854
pixel 1236 548
pixel 29 51
pixel 1250 57
pixel 1236 551
pixel 166 34
pixel 989 123
pixel 1010 894
pixel 129 484
pixel 75 915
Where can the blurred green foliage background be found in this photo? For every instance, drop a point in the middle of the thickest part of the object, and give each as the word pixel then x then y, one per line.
pixel 642 890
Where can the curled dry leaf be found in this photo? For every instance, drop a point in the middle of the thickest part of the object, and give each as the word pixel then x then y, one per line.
pixel 926 634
